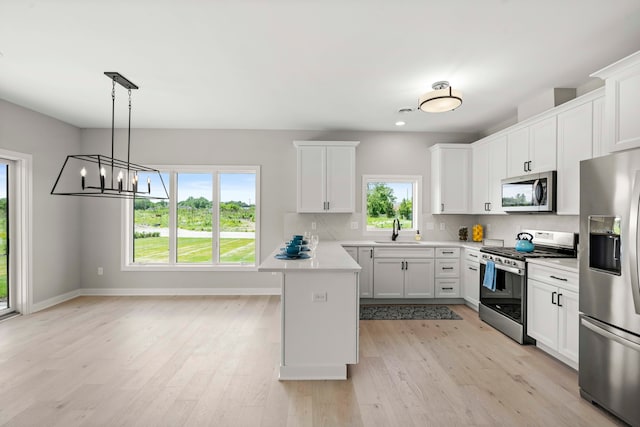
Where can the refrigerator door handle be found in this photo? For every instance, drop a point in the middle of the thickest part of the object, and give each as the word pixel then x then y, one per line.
pixel 603 330
pixel 634 211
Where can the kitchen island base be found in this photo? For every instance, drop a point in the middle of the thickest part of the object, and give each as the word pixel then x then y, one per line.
pixel 320 313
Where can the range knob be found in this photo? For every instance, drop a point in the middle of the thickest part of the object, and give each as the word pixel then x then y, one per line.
pixel 507 262
pixel 498 259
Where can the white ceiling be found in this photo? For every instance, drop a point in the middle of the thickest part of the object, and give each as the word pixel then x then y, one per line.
pixel 303 64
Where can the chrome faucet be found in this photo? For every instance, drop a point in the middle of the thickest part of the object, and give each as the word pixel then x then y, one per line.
pixel 396 231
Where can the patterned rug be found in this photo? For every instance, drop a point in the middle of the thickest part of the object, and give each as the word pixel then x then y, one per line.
pixel 405 312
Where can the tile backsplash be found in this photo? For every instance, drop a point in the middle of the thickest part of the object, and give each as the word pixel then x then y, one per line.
pixel 504 227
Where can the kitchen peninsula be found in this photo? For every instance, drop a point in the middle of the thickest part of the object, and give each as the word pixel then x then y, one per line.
pixel 319 313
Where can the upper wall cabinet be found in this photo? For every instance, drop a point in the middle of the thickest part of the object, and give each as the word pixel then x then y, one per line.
pixel 579 138
pixel 450 178
pixel 326 176
pixel 489 168
pixel 532 148
pixel 622 83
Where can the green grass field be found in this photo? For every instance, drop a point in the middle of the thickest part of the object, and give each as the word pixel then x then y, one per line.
pixel 384 222
pixel 195 250
pixel 3 276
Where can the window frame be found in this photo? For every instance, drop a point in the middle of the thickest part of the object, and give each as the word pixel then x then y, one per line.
pixel 417 202
pixel 127 240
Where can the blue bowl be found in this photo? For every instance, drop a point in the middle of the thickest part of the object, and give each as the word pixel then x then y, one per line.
pixel 293 250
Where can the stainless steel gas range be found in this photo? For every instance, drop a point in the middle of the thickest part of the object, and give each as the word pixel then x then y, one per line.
pixel 505 307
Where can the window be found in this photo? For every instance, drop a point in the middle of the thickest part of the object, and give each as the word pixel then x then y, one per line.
pixel 209 221
pixel 387 197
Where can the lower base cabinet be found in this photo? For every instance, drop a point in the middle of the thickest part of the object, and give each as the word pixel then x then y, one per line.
pixel 552 313
pixel 363 255
pixel 403 278
pixel 471 278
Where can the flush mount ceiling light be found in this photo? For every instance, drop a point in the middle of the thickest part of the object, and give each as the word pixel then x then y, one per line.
pixel 442 98
pixel 97 175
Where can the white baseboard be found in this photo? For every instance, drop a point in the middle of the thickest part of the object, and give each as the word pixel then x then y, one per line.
pixel 55 300
pixel 177 291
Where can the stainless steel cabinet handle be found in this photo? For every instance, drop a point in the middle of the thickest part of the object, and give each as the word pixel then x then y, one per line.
pixel 447 268
pixel 447 289
pixel 447 252
pixel 441 207
pixel 558 278
pixel 473 255
pixel 524 166
pixel 553 301
pixel 489 206
pixel 370 253
pixel 406 265
pixel 559 305
pixel 473 269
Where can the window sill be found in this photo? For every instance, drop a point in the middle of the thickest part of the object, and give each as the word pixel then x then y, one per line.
pixel 190 268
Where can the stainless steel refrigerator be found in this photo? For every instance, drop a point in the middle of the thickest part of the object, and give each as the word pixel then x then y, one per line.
pixel 609 357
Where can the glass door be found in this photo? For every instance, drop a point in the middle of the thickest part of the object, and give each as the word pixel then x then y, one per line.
pixel 5 290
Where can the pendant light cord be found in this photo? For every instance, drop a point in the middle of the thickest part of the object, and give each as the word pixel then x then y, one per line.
pixel 129 137
pixel 113 115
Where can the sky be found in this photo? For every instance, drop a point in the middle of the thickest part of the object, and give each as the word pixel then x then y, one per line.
pixel 3 180
pixel 233 186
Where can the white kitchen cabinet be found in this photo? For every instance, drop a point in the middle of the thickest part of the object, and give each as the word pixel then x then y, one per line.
pixel 363 255
pixel 489 168
pixel 326 173
pixel 403 273
pixel 450 178
pixel 365 259
pixel 532 148
pixel 552 312
pixel 471 278
pixel 622 86
pixel 447 273
pixel 575 143
pixel 600 146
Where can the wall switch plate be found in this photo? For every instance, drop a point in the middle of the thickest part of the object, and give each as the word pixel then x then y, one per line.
pixel 429 226
pixel 443 226
pixel 354 225
pixel 100 271
pixel 313 225
pixel 319 296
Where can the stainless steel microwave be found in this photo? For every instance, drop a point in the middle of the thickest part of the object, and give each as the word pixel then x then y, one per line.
pixel 533 193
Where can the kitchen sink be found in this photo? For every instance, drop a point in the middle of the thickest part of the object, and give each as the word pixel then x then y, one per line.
pixel 391 242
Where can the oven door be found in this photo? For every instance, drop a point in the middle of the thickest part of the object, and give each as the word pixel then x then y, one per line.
pixel 509 297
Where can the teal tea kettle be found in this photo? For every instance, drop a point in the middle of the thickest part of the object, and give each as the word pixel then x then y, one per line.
pixel 524 242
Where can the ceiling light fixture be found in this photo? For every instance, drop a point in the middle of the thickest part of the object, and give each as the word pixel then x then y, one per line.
pixel 103 176
pixel 442 98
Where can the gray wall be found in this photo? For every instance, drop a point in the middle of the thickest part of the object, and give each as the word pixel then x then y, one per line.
pixel 381 153
pixel 56 219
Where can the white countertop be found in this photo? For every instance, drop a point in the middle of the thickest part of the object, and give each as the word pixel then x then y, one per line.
pixel 566 264
pixel 330 257
pixel 412 243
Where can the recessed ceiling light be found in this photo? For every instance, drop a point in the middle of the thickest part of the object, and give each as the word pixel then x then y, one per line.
pixel 400 123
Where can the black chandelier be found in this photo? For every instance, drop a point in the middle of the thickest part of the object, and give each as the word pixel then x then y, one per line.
pixel 104 176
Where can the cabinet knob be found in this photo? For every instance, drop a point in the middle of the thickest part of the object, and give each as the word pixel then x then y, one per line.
pixel 441 207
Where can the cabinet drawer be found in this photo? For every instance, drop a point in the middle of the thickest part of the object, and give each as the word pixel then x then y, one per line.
pixel 553 276
pixel 473 256
pixel 447 288
pixel 447 252
pixel 403 252
pixel 447 267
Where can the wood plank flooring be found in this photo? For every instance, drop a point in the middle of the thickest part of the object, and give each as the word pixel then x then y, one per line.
pixel 199 361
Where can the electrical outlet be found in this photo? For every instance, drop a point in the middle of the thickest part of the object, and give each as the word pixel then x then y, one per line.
pixel 100 271
pixel 354 225
pixel 319 296
pixel 443 226
pixel 313 225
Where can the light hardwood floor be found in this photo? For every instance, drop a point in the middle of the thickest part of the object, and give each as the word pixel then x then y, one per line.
pixel 199 361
